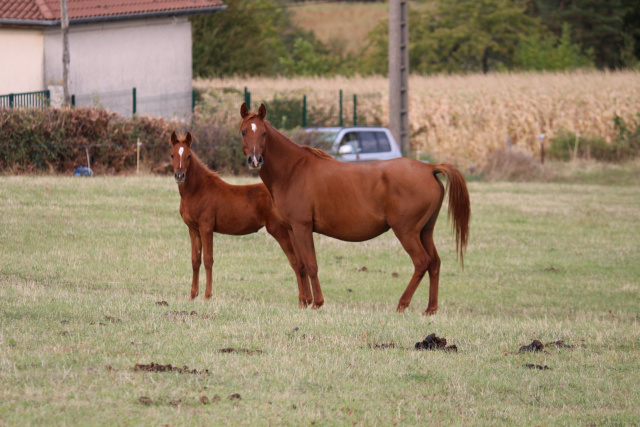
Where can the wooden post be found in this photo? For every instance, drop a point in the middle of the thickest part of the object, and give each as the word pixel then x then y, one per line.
pixel 64 22
pixel 138 144
pixel 399 72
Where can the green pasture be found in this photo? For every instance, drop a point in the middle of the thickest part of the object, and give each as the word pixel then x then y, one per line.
pixel 84 262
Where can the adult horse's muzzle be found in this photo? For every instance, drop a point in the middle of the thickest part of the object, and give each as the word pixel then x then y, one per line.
pixel 179 177
pixel 255 162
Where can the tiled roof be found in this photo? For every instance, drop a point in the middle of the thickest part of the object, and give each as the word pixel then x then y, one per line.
pixel 49 10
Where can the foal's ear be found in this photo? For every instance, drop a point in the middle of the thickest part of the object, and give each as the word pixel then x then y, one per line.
pixel 262 112
pixel 174 138
pixel 187 139
pixel 244 110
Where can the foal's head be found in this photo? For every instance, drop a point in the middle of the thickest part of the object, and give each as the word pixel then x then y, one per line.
pixel 253 133
pixel 180 156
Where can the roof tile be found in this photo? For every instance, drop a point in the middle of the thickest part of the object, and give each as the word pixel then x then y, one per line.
pixel 50 9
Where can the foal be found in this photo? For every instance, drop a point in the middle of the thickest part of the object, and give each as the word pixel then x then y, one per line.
pixel 208 205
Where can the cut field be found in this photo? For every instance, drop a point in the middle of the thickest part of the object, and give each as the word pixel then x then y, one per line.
pixel 84 264
pixel 341 25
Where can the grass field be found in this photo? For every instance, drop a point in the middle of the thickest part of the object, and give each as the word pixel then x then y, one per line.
pixel 83 263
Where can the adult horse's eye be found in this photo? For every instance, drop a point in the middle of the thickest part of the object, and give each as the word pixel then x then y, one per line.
pixel 189 156
pixel 264 133
pixel 243 132
pixel 172 156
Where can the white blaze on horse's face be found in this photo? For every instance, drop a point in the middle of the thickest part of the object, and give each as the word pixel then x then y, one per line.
pixel 254 127
pixel 180 151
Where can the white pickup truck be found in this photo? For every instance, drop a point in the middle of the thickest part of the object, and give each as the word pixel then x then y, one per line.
pixel 357 143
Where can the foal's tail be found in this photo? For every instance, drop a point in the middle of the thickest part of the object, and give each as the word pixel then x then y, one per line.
pixel 459 205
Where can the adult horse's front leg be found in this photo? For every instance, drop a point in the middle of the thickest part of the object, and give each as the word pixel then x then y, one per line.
pixel 305 250
pixel 196 256
pixel 207 249
pixel 285 239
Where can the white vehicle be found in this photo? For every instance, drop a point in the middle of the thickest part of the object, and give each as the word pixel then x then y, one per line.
pixel 357 143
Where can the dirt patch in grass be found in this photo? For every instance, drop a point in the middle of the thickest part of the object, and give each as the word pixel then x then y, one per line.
pixel 432 342
pixel 156 367
pixel 539 367
pixel 383 346
pixel 537 346
pixel 239 350
pixel 183 314
pixel 163 303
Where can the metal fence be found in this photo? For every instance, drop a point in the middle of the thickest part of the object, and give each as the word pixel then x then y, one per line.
pixel 286 110
pixel 40 99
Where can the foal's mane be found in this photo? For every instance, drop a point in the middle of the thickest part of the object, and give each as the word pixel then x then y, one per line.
pixel 200 164
pixel 315 151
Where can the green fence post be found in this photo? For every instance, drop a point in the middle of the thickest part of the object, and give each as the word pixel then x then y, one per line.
pixel 10 100
pixel 355 109
pixel 47 94
pixel 304 111
pixel 247 98
pixel 341 108
pixel 193 100
pixel 73 100
pixel 134 101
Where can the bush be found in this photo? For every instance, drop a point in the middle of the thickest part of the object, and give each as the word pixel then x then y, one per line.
pixel 568 145
pixel 57 140
pixel 511 165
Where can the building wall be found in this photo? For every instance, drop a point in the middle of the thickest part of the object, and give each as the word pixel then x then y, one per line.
pixel 108 59
pixel 21 68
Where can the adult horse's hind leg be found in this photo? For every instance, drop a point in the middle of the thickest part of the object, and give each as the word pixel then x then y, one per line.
pixel 413 246
pixel 284 239
pixel 434 269
pixel 196 256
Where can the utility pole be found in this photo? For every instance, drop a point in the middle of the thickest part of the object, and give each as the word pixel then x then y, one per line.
pixel 65 52
pixel 399 72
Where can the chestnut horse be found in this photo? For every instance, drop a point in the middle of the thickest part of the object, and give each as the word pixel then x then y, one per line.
pixel 208 205
pixel 313 192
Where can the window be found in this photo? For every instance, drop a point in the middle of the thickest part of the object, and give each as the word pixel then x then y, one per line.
pixel 383 142
pixel 368 142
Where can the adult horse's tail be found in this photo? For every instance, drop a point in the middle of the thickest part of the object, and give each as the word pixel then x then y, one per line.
pixel 459 205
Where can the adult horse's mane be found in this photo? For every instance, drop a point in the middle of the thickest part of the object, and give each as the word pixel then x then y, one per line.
pixel 315 151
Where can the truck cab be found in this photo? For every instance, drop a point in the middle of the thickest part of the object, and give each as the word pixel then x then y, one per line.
pixel 357 143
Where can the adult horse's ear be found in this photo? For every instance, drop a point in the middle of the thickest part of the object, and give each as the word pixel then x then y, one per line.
pixel 187 139
pixel 174 138
pixel 262 112
pixel 244 110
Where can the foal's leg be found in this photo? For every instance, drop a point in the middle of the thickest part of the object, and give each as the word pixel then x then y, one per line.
pixel 207 249
pixel 434 270
pixel 303 242
pixel 282 236
pixel 196 256
pixel 412 244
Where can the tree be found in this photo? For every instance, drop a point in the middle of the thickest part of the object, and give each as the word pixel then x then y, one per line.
pixel 597 25
pixel 244 39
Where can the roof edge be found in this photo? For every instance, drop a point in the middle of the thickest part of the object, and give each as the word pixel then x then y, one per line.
pixel 113 18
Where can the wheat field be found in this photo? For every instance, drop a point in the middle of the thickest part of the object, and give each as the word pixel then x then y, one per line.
pixel 461 118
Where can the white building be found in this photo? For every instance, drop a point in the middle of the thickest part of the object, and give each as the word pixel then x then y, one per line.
pixel 114 46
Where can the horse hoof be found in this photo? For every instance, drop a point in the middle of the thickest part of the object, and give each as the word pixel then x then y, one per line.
pixel 430 312
pixel 302 304
pixel 401 308
pixel 317 305
pixel 207 297
pixel 193 296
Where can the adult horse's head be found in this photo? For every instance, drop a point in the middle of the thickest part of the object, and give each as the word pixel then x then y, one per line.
pixel 254 134
pixel 180 156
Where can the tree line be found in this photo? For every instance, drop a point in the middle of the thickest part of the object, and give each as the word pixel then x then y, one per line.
pixel 260 37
